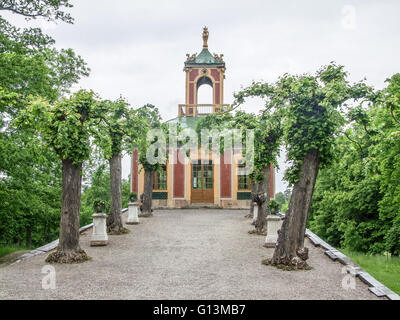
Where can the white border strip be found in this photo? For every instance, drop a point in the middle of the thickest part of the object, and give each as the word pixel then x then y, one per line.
pixel 376 287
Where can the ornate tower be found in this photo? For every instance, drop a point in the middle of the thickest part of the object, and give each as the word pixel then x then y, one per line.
pixel 203 68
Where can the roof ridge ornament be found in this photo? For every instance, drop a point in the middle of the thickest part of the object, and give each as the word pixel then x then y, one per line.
pixel 205 38
pixel 191 57
pixel 219 57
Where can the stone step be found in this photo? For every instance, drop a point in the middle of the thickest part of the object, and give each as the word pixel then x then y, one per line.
pixel 203 205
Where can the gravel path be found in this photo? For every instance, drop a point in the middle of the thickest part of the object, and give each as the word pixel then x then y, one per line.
pixel 181 254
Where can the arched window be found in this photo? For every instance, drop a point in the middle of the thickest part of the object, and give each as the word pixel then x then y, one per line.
pixel 205 91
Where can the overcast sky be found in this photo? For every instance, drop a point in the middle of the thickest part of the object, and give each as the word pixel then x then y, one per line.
pixel 137 48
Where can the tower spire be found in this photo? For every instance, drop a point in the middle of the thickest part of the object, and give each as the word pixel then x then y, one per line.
pixel 205 38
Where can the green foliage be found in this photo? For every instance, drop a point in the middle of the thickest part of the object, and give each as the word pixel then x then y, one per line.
pixel 392 97
pixel 304 111
pixel 267 126
pixel 118 127
pixel 30 171
pixel 285 207
pixel 99 205
pixel 9 249
pixel 35 186
pixel 30 188
pixel 66 126
pixel 273 206
pixel 29 194
pixel 51 10
pixel 356 203
pixel 133 196
pixel 150 119
pixel 282 198
pixel 30 64
pixel 313 106
pixel 267 132
pixel 99 188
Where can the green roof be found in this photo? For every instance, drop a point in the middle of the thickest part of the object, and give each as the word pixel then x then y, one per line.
pixel 186 122
pixel 204 57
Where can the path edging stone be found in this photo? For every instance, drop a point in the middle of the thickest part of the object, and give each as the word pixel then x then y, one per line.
pixel 376 287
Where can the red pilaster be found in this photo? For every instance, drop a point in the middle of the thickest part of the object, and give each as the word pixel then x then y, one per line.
pixel 179 178
pixel 191 93
pixel 217 93
pixel 215 74
pixel 193 74
pixel 226 176
pixel 135 171
pixel 272 182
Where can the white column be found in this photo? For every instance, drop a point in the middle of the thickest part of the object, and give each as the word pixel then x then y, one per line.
pixel 99 236
pixel 255 212
pixel 133 216
pixel 274 223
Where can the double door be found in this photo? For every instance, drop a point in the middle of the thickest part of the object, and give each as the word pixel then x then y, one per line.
pixel 202 182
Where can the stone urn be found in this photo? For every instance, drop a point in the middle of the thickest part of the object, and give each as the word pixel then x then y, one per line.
pixel 99 235
pixel 133 213
pixel 274 224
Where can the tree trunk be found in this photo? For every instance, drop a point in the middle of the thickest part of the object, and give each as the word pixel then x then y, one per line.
pixel 262 199
pixel 147 194
pixel 114 220
pixel 290 252
pixel 68 250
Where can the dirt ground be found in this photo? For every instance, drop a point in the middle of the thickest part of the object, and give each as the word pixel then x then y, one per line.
pixel 181 254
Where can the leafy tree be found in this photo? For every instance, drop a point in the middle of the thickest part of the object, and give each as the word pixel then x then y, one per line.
pixel 268 132
pixel 29 193
pixel 99 188
pixel 117 131
pixel 355 204
pixel 283 199
pixel 66 128
pixel 150 120
pixel 280 199
pixel 388 157
pixel 30 175
pixel 29 62
pixel 311 106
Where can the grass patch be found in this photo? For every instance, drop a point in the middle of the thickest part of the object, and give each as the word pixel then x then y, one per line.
pixel 10 248
pixel 382 268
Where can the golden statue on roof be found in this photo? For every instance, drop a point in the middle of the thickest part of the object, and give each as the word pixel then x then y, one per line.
pixel 205 37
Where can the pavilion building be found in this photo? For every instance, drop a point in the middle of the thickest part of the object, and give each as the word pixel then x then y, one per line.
pixel 200 181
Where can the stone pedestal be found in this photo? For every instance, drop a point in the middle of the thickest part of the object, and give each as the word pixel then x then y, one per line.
pixel 274 223
pixel 255 213
pixel 99 236
pixel 133 216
